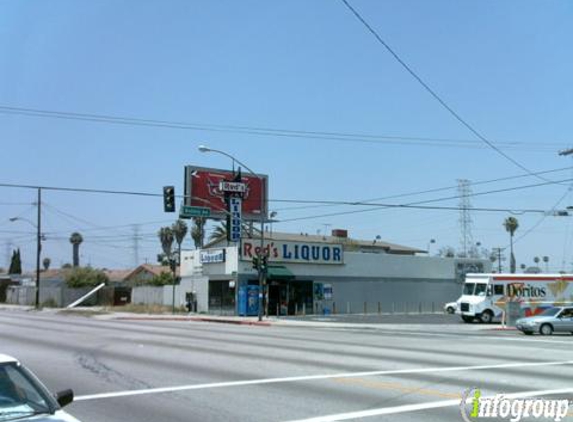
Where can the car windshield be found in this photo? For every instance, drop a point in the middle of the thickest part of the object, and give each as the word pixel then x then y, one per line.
pixel 19 396
pixel 550 312
pixel 475 289
pixel 480 289
pixel 469 289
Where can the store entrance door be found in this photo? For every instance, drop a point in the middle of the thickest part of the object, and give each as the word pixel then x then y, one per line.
pixel 290 297
pixel 278 297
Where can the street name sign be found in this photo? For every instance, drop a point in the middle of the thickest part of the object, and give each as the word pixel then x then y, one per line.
pixel 187 211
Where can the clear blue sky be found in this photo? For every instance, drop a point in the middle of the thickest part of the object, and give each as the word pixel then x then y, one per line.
pixel 298 65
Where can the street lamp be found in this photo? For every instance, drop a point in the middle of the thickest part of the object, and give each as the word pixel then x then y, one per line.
pixel 38 226
pixel 203 148
pixel 430 245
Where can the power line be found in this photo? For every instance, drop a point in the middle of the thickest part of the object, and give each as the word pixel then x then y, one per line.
pixel 418 205
pixel 434 94
pixel 517 239
pixel 434 190
pixel 67 189
pixel 265 131
pixel 299 201
pixel 375 204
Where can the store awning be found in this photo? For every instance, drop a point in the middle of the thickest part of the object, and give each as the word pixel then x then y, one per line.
pixel 279 272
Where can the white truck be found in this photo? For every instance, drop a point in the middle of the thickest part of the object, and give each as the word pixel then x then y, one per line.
pixel 485 296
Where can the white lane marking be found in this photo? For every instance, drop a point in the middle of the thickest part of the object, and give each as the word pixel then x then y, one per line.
pixel 421 406
pixel 312 378
pixel 530 340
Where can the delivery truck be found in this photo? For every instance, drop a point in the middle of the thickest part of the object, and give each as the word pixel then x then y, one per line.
pixel 485 297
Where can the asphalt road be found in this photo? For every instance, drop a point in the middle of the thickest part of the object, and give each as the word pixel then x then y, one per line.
pixel 221 372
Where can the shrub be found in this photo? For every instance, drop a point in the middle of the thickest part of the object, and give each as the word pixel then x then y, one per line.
pixel 85 277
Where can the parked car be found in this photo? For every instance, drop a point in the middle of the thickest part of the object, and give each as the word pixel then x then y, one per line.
pixel 24 398
pixel 451 307
pixel 555 319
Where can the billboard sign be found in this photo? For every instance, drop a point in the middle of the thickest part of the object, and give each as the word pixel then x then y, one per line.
pixel 207 187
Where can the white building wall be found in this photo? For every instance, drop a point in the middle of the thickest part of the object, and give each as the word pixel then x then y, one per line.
pixel 191 263
pixel 370 265
pixel 399 282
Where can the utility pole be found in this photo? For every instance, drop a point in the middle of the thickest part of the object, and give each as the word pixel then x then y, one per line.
pixel 135 245
pixel 39 248
pixel 8 253
pixel 497 251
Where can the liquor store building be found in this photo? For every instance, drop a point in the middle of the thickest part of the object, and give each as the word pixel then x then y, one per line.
pixel 313 274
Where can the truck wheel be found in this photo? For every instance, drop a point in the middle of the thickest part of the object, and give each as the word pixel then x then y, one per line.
pixel 486 317
pixel 467 319
pixel 546 329
pixel 450 310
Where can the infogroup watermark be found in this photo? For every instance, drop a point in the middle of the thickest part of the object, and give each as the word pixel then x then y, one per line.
pixel 474 407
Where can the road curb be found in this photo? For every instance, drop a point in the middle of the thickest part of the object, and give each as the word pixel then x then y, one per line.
pixel 196 319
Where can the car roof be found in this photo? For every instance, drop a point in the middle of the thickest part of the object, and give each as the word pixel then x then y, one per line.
pixel 7 359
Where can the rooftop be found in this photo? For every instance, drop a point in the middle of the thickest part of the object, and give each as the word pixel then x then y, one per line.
pixel 348 243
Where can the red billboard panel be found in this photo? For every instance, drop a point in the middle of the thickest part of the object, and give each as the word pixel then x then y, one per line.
pixel 203 189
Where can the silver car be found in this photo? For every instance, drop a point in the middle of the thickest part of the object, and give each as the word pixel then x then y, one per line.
pixel 24 398
pixel 558 320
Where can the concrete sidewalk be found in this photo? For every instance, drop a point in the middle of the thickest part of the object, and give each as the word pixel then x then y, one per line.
pixel 387 322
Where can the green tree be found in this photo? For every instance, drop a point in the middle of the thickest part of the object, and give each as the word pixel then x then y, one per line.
pixel 546 261
pixel 166 238
pixel 85 277
pixel 15 263
pixel 220 231
pixel 179 229
pixel 511 224
pixel 198 232
pixel 46 263
pixel 76 240
pixel 165 278
pixel 447 252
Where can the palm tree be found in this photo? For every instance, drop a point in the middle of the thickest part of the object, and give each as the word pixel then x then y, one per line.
pixel 219 231
pixel 166 238
pixel 46 263
pixel 511 224
pixel 76 240
pixel 536 260
pixel 179 229
pixel 546 260
pixel 198 232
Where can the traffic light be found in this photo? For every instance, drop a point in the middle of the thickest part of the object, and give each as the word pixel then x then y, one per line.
pixel 264 264
pixel 169 198
pixel 256 262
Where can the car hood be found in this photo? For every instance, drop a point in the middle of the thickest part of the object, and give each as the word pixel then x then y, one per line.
pixel 538 318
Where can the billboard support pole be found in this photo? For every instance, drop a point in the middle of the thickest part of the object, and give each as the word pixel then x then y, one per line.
pixel 203 148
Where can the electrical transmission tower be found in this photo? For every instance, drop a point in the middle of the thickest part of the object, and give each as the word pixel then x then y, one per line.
pixel 466 239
